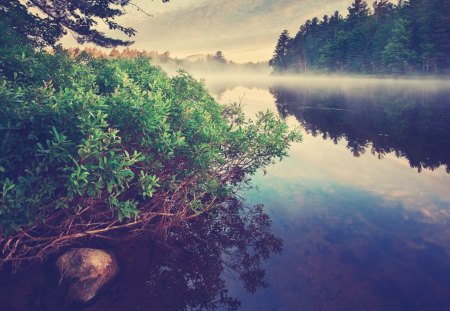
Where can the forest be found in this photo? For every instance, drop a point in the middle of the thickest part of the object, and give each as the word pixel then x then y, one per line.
pixel 409 37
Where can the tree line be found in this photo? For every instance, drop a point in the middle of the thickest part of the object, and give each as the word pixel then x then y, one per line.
pixel 129 53
pixel 408 37
pixel 204 63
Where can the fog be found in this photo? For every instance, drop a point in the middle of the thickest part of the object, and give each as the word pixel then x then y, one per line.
pixel 355 85
pixel 314 82
pixel 244 31
pixel 219 77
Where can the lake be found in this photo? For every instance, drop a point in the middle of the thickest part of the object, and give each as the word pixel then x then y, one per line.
pixel 363 203
pixel 356 218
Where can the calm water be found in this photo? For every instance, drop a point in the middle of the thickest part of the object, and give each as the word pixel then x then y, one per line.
pixel 363 203
pixel 362 207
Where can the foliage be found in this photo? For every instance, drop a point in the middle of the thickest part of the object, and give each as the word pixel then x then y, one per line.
pixel 411 36
pixel 397 55
pixel 56 17
pixel 281 52
pixel 219 57
pixel 90 145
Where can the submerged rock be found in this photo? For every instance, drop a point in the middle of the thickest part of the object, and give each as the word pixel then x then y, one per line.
pixel 87 271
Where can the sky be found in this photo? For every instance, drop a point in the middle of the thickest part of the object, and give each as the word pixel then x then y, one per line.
pixel 243 30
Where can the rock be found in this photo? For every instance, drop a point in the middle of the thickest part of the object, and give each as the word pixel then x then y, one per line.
pixel 87 271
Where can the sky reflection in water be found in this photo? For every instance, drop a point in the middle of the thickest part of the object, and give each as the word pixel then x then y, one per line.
pixel 362 230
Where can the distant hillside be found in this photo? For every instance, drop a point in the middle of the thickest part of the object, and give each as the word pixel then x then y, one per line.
pixel 194 64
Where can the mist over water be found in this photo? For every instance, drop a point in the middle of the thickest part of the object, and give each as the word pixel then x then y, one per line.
pixel 224 78
pixel 354 84
pixel 408 117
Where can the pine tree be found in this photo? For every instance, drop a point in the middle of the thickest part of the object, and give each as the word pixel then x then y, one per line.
pixel 357 11
pixel 279 60
pixel 397 55
pixel 219 57
pixel 382 9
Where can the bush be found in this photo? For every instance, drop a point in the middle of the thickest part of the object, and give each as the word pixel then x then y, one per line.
pixel 89 146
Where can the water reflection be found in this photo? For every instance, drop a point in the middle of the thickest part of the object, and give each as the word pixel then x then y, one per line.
pixel 186 272
pixel 359 233
pixel 347 249
pixel 414 124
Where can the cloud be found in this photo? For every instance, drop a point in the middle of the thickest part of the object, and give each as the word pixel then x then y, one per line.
pixel 233 26
pixel 243 30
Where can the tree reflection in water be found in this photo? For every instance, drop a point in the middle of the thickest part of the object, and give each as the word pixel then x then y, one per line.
pixel 186 272
pixel 414 124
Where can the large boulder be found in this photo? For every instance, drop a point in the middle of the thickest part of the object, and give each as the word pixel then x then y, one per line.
pixel 87 270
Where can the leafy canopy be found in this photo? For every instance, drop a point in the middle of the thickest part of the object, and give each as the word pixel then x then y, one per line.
pixel 46 21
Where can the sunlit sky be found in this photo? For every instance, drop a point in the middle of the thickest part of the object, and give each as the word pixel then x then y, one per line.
pixel 242 30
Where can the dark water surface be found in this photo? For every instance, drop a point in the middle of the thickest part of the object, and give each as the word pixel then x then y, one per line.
pixel 362 207
pixel 363 203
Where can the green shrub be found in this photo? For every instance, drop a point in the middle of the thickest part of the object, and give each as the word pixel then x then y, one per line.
pixel 100 142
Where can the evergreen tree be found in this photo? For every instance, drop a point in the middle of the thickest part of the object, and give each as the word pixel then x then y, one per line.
pixel 382 9
pixel 279 60
pixel 430 22
pixel 357 11
pixel 219 57
pixel 397 55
